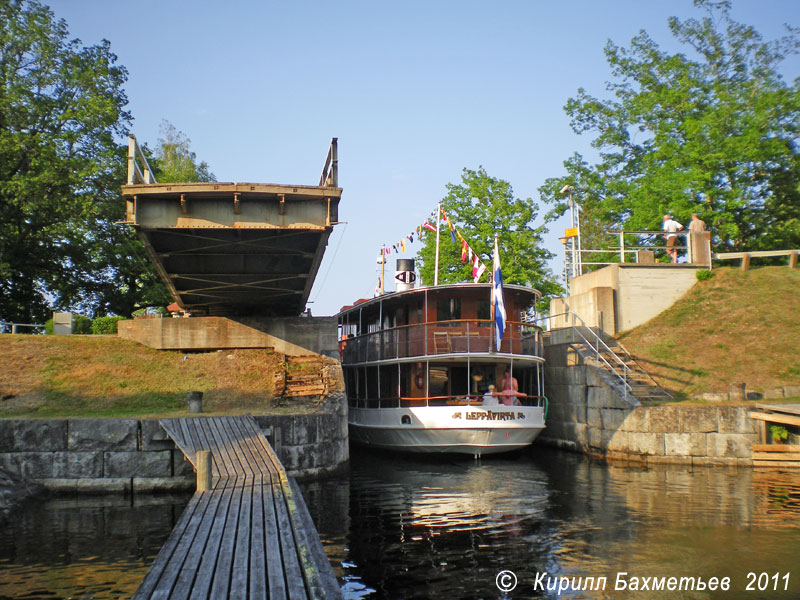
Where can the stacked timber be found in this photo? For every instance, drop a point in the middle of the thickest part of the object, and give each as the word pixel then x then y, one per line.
pixel 773 449
pixel 311 375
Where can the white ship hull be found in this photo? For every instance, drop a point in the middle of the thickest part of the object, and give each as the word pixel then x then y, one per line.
pixel 457 429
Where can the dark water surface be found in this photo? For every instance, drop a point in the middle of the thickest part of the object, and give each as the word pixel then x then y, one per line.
pixel 404 527
pixel 401 527
pixel 97 547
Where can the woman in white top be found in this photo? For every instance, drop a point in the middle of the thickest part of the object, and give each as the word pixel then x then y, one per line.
pixel 489 399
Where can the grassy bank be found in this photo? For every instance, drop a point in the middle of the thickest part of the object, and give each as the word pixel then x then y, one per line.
pixel 52 376
pixel 739 326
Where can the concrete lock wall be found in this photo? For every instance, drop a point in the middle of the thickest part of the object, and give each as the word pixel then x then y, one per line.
pixel 131 455
pixel 621 297
pixel 295 336
pixel 588 413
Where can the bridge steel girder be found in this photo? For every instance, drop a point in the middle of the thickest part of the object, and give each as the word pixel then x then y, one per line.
pixel 235 248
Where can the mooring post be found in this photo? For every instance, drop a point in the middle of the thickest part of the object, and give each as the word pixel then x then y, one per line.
pixel 203 470
pixel 194 401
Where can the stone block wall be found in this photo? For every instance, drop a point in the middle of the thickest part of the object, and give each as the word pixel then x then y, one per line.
pixel 313 444
pixel 94 455
pixel 132 455
pixel 588 412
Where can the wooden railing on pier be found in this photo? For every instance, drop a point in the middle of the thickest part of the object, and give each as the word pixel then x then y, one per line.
pixel 250 536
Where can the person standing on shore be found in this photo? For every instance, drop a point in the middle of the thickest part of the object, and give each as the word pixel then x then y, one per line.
pixel 671 229
pixel 697 225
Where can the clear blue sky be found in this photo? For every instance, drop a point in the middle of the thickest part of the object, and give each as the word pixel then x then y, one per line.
pixel 415 91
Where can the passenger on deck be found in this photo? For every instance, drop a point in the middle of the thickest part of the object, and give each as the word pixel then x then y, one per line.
pixel 489 398
pixel 510 394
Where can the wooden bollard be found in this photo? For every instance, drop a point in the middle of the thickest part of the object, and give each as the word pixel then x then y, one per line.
pixel 792 260
pixel 203 470
pixel 745 262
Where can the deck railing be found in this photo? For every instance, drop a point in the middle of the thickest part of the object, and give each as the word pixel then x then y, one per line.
pixel 138 173
pixel 456 337
pixel 462 400
pixel 330 170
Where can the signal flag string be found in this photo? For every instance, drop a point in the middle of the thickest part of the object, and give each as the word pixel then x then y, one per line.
pixel 467 253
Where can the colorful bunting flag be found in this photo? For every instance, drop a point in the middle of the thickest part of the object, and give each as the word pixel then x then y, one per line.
pixel 467 253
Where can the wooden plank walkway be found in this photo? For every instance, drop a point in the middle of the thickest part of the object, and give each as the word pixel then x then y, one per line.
pixel 251 536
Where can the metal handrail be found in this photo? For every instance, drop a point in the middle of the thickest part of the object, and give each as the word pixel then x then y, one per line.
pixel 622 248
pixel 458 400
pixel 15 326
pixel 625 368
pixel 330 170
pixel 137 174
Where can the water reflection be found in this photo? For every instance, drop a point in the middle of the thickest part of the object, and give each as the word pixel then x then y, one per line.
pixel 84 547
pixel 403 527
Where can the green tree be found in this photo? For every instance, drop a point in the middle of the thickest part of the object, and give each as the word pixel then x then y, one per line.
pixel 120 276
pixel 174 160
pixel 481 207
pixel 714 134
pixel 123 277
pixel 61 106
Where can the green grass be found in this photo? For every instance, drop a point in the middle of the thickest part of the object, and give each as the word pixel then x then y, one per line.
pixel 58 376
pixel 735 327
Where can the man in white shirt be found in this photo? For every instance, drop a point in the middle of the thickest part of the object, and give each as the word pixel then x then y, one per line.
pixel 671 227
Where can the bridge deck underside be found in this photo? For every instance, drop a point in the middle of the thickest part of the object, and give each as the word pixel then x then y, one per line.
pixel 238 271
pixel 229 252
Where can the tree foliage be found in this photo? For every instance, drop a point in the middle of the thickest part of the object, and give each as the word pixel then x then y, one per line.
pixel 62 110
pixel 481 207
pixel 61 106
pixel 174 159
pixel 713 132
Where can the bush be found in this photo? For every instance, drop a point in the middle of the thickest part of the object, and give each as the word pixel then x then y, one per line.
pixel 151 311
pixel 106 325
pixel 48 327
pixel 81 324
pixel 703 275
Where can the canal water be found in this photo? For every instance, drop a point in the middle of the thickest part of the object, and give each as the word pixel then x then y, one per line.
pixel 405 527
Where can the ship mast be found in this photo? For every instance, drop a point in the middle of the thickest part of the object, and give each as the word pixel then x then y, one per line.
pixel 436 262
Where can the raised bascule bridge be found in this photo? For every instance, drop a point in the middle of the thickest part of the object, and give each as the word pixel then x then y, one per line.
pixel 240 258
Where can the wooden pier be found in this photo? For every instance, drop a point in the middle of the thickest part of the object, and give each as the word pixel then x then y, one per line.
pixel 250 535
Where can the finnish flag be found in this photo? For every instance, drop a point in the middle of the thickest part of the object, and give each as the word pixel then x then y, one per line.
pixel 497 298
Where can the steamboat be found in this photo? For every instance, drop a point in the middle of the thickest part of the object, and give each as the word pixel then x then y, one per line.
pixel 424 373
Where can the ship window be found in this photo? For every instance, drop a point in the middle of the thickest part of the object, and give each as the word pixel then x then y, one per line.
pixel 482 377
pixel 405 380
pixel 484 312
pixel 351 385
pixel 438 382
pixel 448 309
pixel 372 387
pixel 405 420
pixel 361 389
pixel 388 382
pixel 459 385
